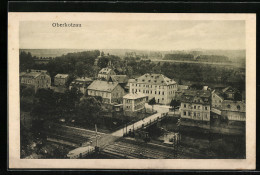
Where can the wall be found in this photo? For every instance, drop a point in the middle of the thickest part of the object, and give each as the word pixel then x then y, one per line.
pixel 162 94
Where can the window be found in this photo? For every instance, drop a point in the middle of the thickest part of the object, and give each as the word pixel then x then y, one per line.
pixel 155 92
pixel 184 105
pixel 162 99
pixel 228 106
pixel 188 113
pixel 151 92
pixel 206 108
pixel 194 107
pixel 194 114
pixel 163 93
pixel 139 85
pixel 143 91
pixel 184 113
pixel 159 92
pixel 238 107
pixel 133 84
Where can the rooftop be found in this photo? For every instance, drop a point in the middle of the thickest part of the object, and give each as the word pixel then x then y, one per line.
pixel 83 79
pixel 99 85
pixel 30 74
pixel 61 76
pixel 134 96
pixel 119 78
pixel 190 96
pixel 154 79
pixel 105 71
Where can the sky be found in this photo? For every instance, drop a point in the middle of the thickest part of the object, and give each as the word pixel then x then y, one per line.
pixel 141 35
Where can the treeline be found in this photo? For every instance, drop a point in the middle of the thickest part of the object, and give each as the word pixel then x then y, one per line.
pixel 181 57
pixel 212 58
pixel 83 64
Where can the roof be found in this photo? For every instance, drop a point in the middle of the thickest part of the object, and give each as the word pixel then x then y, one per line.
pixel 105 71
pixel 119 78
pixel 134 96
pixel 61 76
pixel 219 94
pixel 99 85
pixel 190 96
pixel 83 79
pixel 229 89
pixel 182 87
pixel 30 74
pixel 154 79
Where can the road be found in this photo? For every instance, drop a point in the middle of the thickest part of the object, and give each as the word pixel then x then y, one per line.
pixel 159 108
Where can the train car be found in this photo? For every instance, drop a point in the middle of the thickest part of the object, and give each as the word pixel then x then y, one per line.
pixel 81 152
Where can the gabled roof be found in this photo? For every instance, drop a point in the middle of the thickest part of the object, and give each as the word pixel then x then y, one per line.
pixel 134 96
pixel 83 79
pixel 105 71
pixel 182 87
pixel 154 79
pixel 229 89
pixel 61 76
pixel 119 78
pixel 30 74
pixel 105 86
pixel 189 96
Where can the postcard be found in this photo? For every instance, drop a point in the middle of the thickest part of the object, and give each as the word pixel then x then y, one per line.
pixel 132 91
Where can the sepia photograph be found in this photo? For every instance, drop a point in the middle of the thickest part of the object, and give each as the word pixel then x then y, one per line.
pixel 134 87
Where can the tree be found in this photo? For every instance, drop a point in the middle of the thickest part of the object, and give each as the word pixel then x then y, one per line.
pixel 174 104
pixel 152 102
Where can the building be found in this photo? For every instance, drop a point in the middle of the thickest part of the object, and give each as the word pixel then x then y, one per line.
pixel 155 86
pixel 234 110
pixel 122 80
pixel 81 84
pixel 134 102
pixel 111 92
pixel 221 94
pixel 106 73
pixel 217 99
pixel 195 105
pixel 61 79
pixel 36 79
pixel 180 91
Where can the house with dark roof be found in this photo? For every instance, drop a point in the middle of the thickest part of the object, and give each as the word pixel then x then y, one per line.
pixel 81 84
pixel 195 105
pixel 105 73
pixel 110 92
pixel 36 79
pixel 61 79
pixel 155 86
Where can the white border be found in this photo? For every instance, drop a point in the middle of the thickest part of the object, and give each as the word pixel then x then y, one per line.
pixel 13 97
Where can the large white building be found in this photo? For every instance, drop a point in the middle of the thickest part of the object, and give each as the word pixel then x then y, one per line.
pixel 155 86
